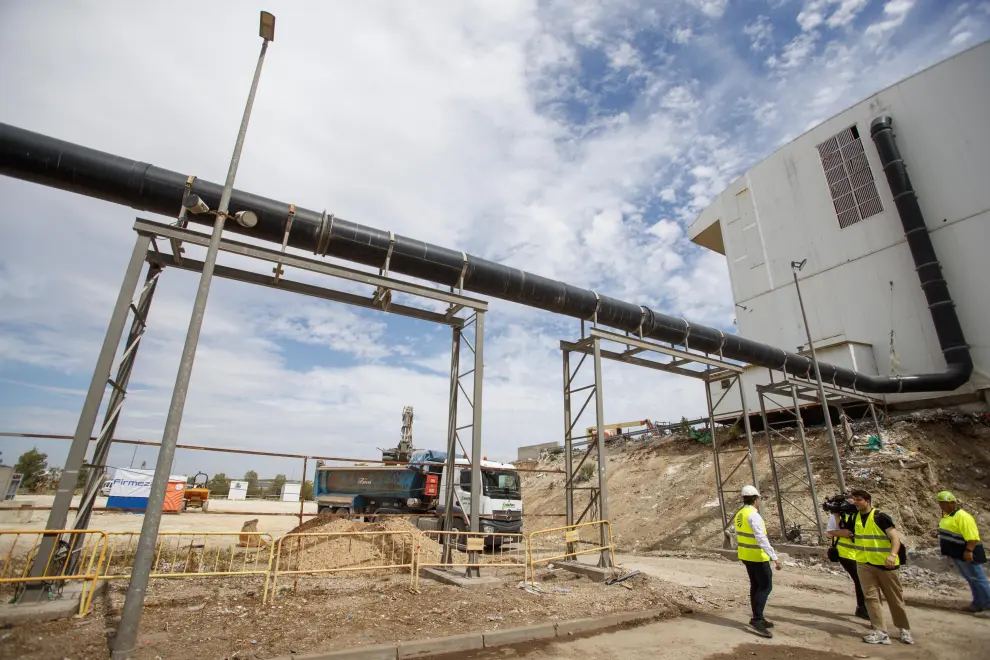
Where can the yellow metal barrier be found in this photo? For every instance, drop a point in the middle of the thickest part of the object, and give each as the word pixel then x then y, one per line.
pixel 569 542
pixel 193 554
pixel 75 557
pixel 314 553
pixel 508 551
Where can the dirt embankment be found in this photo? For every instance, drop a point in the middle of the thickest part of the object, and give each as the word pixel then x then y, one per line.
pixel 662 494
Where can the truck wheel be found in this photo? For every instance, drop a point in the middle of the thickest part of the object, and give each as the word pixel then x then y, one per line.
pixel 343 510
pixel 323 510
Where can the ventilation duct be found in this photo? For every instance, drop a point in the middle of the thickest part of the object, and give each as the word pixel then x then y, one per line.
pixel 47 161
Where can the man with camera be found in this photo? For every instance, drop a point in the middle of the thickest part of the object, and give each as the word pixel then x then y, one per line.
pixel 844 550
pixel 879 555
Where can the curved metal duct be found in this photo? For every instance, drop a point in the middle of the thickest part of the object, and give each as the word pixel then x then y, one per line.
pixel 45 160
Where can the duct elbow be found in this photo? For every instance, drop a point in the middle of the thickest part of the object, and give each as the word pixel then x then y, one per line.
pixel 881 123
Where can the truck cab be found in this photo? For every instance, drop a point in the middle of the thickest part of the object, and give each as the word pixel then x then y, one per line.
pixel 501 507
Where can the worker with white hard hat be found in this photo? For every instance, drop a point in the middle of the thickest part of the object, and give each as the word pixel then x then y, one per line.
pixel 756 553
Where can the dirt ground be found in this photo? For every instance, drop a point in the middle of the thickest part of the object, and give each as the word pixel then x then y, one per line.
pixel 812 611
pixel 662 493
pixel 200 620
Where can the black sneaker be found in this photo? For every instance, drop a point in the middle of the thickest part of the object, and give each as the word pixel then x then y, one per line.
pixel 760 628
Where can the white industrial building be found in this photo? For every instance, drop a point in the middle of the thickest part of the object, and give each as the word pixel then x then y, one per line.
pixel 866 309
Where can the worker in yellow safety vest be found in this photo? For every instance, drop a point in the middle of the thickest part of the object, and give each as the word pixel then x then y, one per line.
pixel 756 553
pixel 840 527
pixel 878 558
pixel 959 539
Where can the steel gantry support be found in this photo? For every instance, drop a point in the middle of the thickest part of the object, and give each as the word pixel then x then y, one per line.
pixel 473 400
pixel 637 352
pixel 146 250
pixel 800 494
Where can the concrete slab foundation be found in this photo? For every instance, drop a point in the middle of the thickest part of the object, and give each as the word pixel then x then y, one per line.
pixel 457 579
pixel 65 606
pixel 594 573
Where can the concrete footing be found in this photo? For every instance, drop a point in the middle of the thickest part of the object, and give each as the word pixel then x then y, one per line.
pixel 65 606
pixel 457 579
pixel 594 573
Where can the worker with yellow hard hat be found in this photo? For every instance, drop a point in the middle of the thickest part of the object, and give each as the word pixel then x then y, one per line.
pixel 959 539
pixel 756 553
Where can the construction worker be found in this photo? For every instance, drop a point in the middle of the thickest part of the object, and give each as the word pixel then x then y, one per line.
pixel 878 559
pixel 840 526
pixel 959 538
pixel 756 553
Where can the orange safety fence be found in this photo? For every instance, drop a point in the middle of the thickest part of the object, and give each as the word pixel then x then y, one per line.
pixel 193 555
pixel 75 555
pixel 325 553
pixel 568 543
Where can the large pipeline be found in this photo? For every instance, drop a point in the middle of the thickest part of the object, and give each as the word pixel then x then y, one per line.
pixel 58 164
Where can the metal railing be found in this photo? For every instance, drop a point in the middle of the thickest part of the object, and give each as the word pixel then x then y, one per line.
pixel 568 543
pixel 76 556
pixel 193 555
pixel 323 553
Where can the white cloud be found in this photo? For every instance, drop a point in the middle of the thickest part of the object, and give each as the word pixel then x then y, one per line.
pixel 894 12
pixel 794 54
pixel 760 32
pixel 832 13
pixel 711 8
pixel 682 35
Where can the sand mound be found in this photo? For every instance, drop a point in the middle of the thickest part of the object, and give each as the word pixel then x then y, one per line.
pixel 346 543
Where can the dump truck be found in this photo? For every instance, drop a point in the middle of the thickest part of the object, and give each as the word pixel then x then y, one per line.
pixel 418 488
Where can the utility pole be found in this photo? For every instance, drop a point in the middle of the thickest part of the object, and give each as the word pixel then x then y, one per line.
pixel 796 266
pixel 130 620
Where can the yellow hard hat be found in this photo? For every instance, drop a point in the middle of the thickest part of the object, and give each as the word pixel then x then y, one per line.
pixel 945 496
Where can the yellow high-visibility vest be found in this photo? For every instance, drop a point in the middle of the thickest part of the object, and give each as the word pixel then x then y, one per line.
pixel 847 547
pixel 954 530
pixel 747 547
pixel 874 546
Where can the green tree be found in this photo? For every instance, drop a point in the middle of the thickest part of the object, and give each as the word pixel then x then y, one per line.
pixel 307 490
pixel 277 483
pixel 219 484
pixel 34 466
pixel 253 489
pixel 82 478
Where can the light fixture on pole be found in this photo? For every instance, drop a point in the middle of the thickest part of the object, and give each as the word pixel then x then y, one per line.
pixel 130 618
pixel 797 266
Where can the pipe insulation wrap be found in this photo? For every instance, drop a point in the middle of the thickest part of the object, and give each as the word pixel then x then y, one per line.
pixel 58 164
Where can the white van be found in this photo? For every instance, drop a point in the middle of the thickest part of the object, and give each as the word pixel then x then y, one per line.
pixel 105 490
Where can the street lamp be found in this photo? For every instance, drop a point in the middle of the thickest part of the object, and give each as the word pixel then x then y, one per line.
pixel 130 618
pixel 797 266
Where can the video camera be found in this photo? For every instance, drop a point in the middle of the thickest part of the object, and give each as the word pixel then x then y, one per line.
pixel 838 504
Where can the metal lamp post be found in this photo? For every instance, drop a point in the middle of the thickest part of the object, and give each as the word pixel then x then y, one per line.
pixel 796 266
pixel 130 620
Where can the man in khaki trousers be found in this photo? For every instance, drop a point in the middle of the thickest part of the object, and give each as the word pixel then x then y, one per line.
pixel 878 560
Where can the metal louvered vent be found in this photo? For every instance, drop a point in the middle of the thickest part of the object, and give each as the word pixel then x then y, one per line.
pixel 850 180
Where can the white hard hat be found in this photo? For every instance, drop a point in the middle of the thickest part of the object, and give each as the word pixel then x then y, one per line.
pixel 750 491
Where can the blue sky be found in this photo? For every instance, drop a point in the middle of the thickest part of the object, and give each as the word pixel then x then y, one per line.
pixel 573 139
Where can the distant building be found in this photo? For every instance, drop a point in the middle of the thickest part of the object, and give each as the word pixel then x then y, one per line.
pixel 824 197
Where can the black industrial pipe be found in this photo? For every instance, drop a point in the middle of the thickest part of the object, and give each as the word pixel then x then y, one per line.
pixel 959 363
pixel 41 159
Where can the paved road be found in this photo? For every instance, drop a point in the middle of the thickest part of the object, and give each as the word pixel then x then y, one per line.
pixel 811 610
